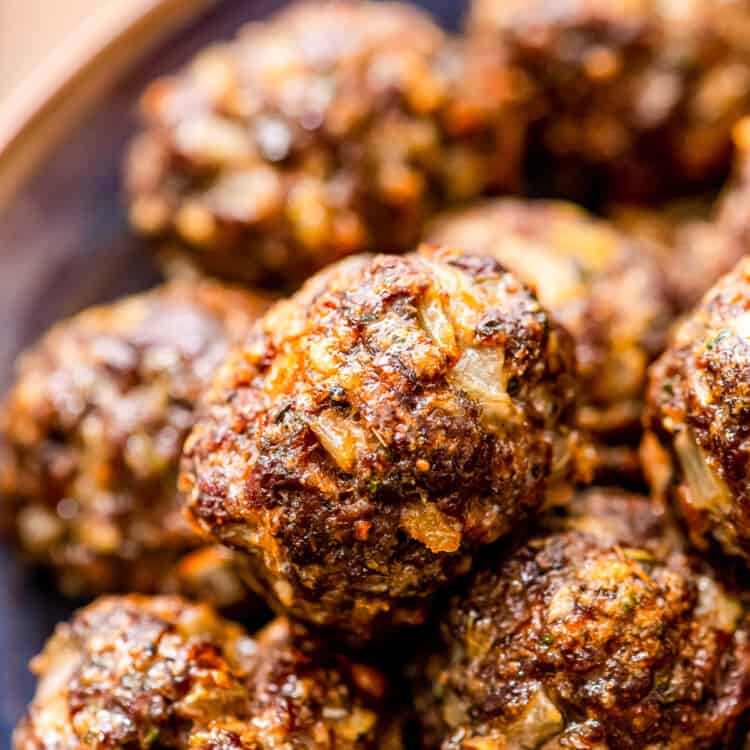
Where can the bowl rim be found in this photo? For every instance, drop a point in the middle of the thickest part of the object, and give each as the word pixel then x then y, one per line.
pixel 48 102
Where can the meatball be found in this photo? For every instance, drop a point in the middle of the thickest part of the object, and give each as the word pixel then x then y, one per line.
pixel 604 287
pixel 93 429
pixel 698 412
pixel 635 99
pixel 616 516
pixel 140 672
pixel 588 637
pixel 329 129
pixel 377 429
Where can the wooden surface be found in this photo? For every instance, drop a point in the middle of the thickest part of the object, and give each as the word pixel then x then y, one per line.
pixel 64 245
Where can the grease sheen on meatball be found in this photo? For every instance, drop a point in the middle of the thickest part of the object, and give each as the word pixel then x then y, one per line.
pixel 603 286
pixel 698 409
pixel 598 636
pixel 94 426
pixel 635 97
pixel 138 672
pixel 377 429
pixel 328 129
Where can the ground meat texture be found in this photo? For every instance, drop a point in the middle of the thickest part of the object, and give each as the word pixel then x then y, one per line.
pixel 618 517
pixel 325 130
pixel 138 672
pixel 698 399
pixel 603 286
pixel 636 98
pixel 378 428
pixel 580 640
pixel 93 428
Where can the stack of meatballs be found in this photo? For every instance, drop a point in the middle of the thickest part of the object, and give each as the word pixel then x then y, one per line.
pixel 486 456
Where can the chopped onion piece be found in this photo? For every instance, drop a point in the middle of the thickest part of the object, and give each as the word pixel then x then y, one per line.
pixel 540 722
pixel 708 491
pixel 341 438
pixel 463 302
pixel 436 323
pixel 479 373
pixel 424 522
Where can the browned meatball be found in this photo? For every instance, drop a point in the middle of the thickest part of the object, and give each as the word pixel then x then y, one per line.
pixel 598 636
pixel 137 672
pixel 698 400
pixel 616 516
pixel 329 129
pixel 636 97
pixel 378 428
pixel 94 427
pixel 604 287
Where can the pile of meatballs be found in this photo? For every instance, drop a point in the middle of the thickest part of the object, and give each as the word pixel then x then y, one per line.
pixel 450 371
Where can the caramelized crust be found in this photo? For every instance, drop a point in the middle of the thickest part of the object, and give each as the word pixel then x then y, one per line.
pixel 696 242
pixel 328 129
pixel 603 286
pixel 598 636
pixel 94 426
pixel 698 410
pixel 377 429
pixel 133 673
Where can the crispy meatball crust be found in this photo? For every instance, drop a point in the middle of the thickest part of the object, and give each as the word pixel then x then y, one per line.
pixel 329 129
pixel 615 516
pixel 377 429
pixel 94 427
pixel 580 640
pixel 604 287
pixel 698 400
pixel 644 92
pixel 158 672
